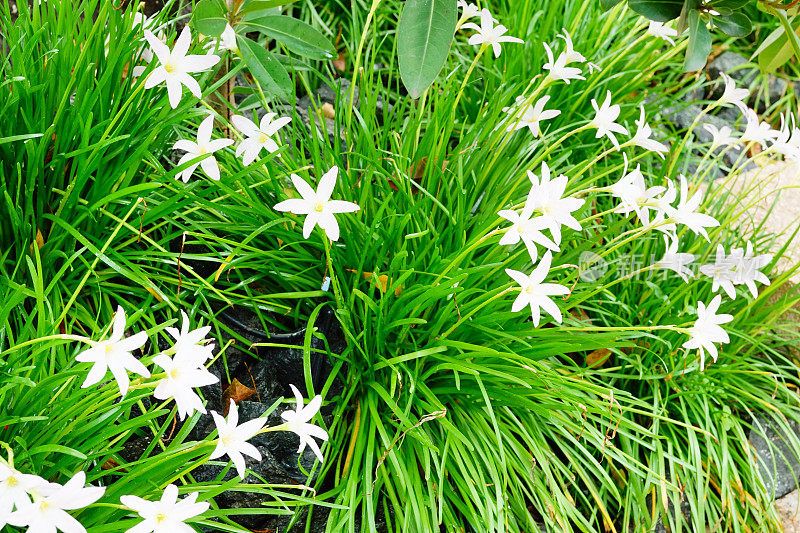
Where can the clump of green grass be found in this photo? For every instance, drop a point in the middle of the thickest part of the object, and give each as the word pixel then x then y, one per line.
pixel 455 413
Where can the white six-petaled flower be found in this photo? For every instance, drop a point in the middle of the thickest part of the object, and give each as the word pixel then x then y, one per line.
pixel 722 272
pixel 226 41
pixel 203 147
pixel 297 421
pixel 317 205
pixel 604 120
pixel 706 330
pixel 557 67
pixel 15 488
pixel 528 229
pixel 662 31
pixel 168 515
pixel 468 10
pixel 176 66
pixel 643 134
pixel 686 212
pixel 536 294
pixel 756 131
pixel 114 354
pixel 489 34
pixel 258 137
pixel 185 371
pixel 546 196
pixel 677 261
pixel 731 94
pixel 48 510
pixel 532 115
pixel 191 343
pixel 721 137
pixel 232 438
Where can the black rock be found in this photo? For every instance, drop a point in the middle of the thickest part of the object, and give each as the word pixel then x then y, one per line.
pixel 777 462
pixel 735 66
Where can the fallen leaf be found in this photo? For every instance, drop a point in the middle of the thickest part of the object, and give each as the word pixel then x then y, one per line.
pixel 339 63
pixel 383 280
pixel 597 358
pixel 155 294
pixel 236 392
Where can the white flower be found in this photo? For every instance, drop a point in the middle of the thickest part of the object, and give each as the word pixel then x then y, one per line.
pixel 258 137
pixel 48 510
pixel 468 11
pixel 732 95
pixel 558 69
pixel 185 371
pixel 723 271
pixel 317 205
pixel 642 137
pixel 226 41
pixel 531 116
pixel 536 294
pixel 677 261
pixel 297 422
pixel 489 34
pixel 721 137
pixel 203 146
pixel 527 229
pixel 15 487
pixel 706 330
pixel 686 211
pixel 191 344
pixel 232 438
pixel 114 354
pixel 166 515
pixel 176 66
pixel 546 197
pixel 757 131
pixel 661 31
pixel 604 118
pixel 570 55
pixel 788 140
pixel 635 197
pixel 747 271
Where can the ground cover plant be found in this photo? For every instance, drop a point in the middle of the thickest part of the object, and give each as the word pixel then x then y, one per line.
pixel 544 321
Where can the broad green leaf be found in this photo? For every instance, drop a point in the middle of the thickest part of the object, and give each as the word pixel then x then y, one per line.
pixel 683 20
pixel 776 49
pixel 259 5
pixel 294 34
pixel 424 35
pixel 608 4
pixel 659 10
pixel 209 17
pixel 735 24
pixel 699 43
pixel 267 70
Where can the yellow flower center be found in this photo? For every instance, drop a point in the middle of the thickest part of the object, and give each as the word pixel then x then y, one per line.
pixel 109 347
pixel 161 517
pixel 319 207
pixel 529 290
pixel 12 481
pixel 262 139
pixel 43 505
pixel 226 440
pixel 169 67
pixel 174 373
pixel 202 150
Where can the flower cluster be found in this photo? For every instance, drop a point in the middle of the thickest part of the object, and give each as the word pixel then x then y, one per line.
pixel 27 500
pixel 665 208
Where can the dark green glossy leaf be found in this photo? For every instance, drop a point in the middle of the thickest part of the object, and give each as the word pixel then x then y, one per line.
pixel 735 24
pixel 267 70
pixel 209 17
pixel 294 34
pixel 699 42
pixel 660 10
pixel 608 4
pixel 424 35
